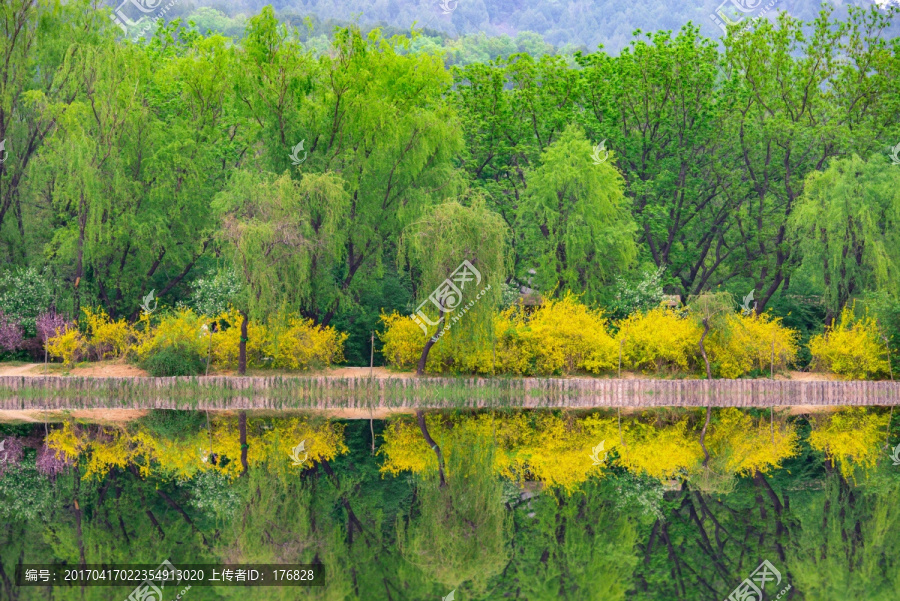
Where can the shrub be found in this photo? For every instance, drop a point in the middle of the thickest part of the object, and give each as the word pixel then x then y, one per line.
pixel 559 337
pixel 171 424
pixel 659 339
pixel 108 338
pixel 11 333
pixel 852 348
pixel 24 294
pixel 69 345
pixel 296 343
pixel 181 331
pixel 850 438
pixel 174 361
pixel 747 343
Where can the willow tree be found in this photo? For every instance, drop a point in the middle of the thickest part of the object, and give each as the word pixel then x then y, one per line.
pixel 847 225
pixel 460 257
pixel 459 534
pixel 274 230
pixel 575 223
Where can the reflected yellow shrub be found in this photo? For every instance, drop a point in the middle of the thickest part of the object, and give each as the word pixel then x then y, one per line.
pixel 106 448
pixel 850 438
pixel 852 348
pixel 742 445
pixel 665 452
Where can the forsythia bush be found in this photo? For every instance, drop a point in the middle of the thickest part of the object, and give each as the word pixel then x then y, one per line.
pixel 284 341
pixel 852 438
pixel 744 445
pixel 852 348
pixel 105 448
pixel 665 452
pixel 659 339
pixel 68 345
pixel 747 344
pixel 559 337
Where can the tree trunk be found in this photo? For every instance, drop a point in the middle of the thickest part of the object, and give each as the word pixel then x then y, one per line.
pixel 420 369
pixel 703 437
pixel 242 348
pixel 420 417
pixel 703 348
pixel 242 430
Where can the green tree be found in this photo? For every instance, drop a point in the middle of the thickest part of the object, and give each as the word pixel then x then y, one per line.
pixel 273 231
pixel 576 228
pixel 436 246
pixel 846 225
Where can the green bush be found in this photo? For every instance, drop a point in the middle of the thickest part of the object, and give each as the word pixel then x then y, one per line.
pixel 174 361
pixel 170 424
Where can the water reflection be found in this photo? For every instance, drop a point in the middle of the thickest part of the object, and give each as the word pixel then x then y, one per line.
pixel 491 505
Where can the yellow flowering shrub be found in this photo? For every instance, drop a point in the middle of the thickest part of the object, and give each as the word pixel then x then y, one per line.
pixel 108 448
pixel 183 329
pixel 851 438
pixel 555 450
pixel 747 344
pixel 659 339
pixel 68 345
pixel 743 445
pixel 296 343
pixel 107 338
pixel 666 452
pixel 559 337
pixel 403 341
pixel 852 348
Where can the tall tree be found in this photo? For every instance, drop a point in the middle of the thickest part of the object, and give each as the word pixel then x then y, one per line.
pixel 274 229
pixel 576 227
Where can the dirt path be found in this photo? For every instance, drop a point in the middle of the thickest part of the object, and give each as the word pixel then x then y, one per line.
pixel 19 370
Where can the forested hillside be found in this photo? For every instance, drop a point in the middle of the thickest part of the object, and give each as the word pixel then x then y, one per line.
pixel 342 184
pixel 565 24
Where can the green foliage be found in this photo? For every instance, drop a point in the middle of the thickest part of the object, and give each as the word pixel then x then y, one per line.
pixel 212 296
pixel 574 219
pixel 174 361
pixel 25 294
pixel 170 424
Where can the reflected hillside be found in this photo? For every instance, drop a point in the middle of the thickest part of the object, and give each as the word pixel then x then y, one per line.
pixel 491 505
